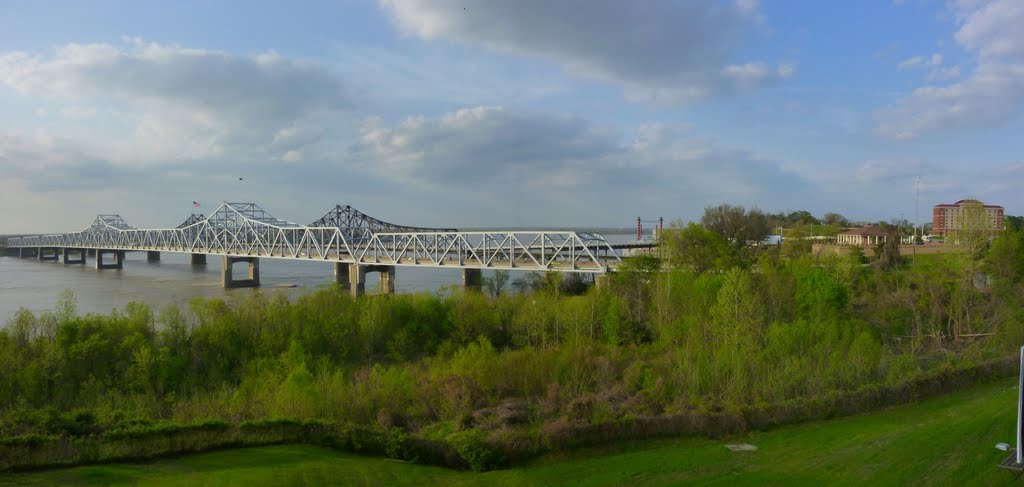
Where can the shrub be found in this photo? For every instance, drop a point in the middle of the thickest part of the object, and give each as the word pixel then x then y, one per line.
pixel 472 446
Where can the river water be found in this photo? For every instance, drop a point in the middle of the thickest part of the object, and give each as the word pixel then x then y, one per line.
pixel 34 285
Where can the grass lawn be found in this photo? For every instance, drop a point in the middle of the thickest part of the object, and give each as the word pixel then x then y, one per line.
pixel 944 441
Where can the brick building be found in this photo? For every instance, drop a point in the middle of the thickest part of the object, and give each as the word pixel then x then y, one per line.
pixel 948 218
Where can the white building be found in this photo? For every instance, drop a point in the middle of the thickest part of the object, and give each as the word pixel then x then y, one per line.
pixel 864 237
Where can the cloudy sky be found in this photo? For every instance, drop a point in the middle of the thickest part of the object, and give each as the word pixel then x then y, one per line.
pixel 483 113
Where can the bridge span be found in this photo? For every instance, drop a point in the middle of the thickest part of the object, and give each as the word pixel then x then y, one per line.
pixel 354 242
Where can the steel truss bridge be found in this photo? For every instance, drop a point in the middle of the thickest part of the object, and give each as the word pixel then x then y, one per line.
pixel 355 242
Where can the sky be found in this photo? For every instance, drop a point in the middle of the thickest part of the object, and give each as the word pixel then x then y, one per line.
pixel 476 113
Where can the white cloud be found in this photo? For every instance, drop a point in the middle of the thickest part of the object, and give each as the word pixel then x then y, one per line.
pixel 911 62
pixel 78 112
pixel 655 49
pixel 921 62
pixel 754 74
pixel 992 28
pixel 893 170
pixel 993 92
pixel 748 6
pixel 483 144
pixel 944 74
pixel 170 103
pixel 504 149
pixel 44 162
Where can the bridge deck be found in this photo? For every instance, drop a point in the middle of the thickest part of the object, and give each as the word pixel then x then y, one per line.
pixel 245 230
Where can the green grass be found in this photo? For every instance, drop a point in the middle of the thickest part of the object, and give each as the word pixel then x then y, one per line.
pixel 942 441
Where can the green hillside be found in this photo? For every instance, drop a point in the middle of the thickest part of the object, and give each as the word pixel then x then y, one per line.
pixel 942 441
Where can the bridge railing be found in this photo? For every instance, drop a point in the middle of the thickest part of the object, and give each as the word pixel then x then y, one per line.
pixel 234 233
pixel 566 251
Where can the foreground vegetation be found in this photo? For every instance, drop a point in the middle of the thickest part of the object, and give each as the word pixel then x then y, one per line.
pixel 943 441
pixel 714 339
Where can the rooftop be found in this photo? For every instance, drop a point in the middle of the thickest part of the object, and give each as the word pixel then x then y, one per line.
pixel 958 203
pixel 870 230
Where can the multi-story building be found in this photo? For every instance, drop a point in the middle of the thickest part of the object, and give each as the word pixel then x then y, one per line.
pixel 966 215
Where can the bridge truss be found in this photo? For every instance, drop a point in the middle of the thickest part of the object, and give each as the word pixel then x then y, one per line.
pixel 344 235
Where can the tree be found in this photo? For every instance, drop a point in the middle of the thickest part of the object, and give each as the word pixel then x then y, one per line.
pixel 633 282
pixel 832 218
pixel 496 284
pixel 855 254
pixel 695 248
pixel 736 225
pixel 903 226
pixel 1005 258
pixel 530 282
pixel 888 252
pixel 801 217
pixel 573 284
pixel 797 241
pixel 972 229
pixel 736 329
pixel 1014 223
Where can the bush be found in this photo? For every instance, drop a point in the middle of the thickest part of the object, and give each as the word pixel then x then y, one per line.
pixel 472 446
pixel 165 428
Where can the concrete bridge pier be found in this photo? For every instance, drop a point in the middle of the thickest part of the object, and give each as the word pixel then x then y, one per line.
pixel 230 282
pixel 472 279
pixel 67 256
pixel 602 281
pixel 387 279
pixel 198 259
pixel 152 256
pixel 118 256
pixel 341 275
pixel 48 253
pixel 357 278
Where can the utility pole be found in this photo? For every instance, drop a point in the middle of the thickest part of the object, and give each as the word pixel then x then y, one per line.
pixel 917 196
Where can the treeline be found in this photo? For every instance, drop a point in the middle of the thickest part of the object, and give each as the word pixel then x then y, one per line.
pixel 737 222
pixel 719 327
pixel 740 224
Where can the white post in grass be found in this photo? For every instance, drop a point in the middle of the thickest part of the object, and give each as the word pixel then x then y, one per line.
pixel 1020 408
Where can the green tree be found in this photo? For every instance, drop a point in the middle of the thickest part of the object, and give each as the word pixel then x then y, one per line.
pixel 67 306
pixel 834 219
pixel 634 281
pixel 1014 223
pixel 801 217
pixel 797 241
pixel 972 229
pixel 855 254
pixel 888 251
pixel 1005 258
pixel 495 284
pixel 736 330
pixel 695 248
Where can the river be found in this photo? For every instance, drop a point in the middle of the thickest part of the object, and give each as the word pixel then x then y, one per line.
pixel 35 285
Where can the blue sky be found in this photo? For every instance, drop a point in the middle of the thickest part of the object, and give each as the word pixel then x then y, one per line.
pixel 482 113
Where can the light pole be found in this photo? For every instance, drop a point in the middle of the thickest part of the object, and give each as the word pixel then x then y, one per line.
pixel 917 196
